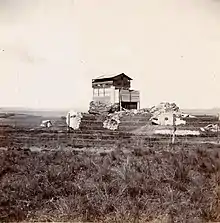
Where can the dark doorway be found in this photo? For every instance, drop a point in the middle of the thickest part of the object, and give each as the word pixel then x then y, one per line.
pixel 129 105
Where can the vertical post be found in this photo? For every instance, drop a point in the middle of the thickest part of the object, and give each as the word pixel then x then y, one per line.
pixel 218 129
pixel 174 128
pixel 68 122
pixel 114 101
pixel 139 101
pixel 130 105
pixel 120 99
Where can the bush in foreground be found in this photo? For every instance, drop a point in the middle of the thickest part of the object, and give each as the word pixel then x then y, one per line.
pixel 178 185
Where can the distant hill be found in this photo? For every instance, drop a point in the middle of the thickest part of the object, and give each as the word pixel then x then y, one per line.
pixel 63 112
pixel 213 111
pixel 35 112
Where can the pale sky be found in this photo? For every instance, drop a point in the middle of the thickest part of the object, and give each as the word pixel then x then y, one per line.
pixel 51 49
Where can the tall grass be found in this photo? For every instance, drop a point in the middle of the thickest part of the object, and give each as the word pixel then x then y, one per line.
pixel 154 184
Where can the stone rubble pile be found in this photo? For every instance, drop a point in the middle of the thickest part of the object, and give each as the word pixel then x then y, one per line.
pixel 210 128
pixel 163 114
pixel 112 121
pixel 133 112
pixel 46 124
pixel 164 107
pixel 73 119
pixel 101 107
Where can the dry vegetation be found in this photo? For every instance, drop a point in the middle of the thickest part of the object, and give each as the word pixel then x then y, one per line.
pixel 171 184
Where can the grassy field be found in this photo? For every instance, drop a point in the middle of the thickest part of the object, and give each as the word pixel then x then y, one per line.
pixel 170 184
pixel 98 175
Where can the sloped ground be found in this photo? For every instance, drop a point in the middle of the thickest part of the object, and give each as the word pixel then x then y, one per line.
pixel 22 131
pixel 19 132
pixel 176 184
pixel 142 178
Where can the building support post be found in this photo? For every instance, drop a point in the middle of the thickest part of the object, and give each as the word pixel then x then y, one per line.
pixel 120 107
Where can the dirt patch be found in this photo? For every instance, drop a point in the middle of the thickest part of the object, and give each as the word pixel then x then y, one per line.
pixel 150 129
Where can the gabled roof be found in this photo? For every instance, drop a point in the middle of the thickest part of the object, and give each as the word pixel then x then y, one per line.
pixel 110 77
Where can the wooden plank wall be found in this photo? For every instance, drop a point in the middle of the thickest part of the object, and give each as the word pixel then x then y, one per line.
pixel 130 96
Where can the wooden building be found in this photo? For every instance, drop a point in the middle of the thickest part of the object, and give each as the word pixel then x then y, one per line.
pixel 116 89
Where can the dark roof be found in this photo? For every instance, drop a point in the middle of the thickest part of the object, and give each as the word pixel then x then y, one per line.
pixel 109 77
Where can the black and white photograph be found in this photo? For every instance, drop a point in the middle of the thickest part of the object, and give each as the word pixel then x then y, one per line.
pixel 109 111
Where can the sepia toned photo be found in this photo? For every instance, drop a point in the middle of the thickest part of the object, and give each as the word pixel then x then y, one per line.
pixel 109 111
